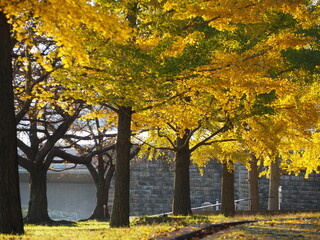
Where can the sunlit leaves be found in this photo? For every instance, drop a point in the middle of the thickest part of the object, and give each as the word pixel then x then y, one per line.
pixel 246 79
pixel 197 65
pixel 63 23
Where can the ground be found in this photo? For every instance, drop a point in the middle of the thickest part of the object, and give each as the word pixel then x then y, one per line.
pixel 289 226
pixel 274 229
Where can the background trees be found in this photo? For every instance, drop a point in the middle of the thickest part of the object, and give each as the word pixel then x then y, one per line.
pixel 53 22
pixel 35 157
pixel 93 147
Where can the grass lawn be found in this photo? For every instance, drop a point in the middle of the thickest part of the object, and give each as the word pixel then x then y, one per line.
pixel 146 227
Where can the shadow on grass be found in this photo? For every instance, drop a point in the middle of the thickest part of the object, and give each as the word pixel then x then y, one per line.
pixel 184 221
pixel 53 223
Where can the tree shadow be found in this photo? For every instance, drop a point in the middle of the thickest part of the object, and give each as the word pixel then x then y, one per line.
pixel 54 223
pixel 184 221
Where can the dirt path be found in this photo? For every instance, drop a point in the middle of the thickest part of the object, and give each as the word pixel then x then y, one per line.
pixel 298 228
pixel 305 228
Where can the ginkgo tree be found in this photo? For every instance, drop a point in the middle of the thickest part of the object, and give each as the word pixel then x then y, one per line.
pixel 60 24
pixel 292 128
pixel 303 154
pixel 128 78
pixel 278 138
pixel 244 59
pixel 274 138
pixel 211 57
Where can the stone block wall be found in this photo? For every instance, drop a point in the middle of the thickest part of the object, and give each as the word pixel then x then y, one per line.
pixel 154 181
pixel 151 189
pixel 299 193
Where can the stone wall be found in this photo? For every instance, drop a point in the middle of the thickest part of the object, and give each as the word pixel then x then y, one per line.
pixel 152 187
pixel 298 193
pixel 72 193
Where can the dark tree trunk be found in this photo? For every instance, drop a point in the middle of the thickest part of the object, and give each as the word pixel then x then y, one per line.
pixel 227 192
pixel 274 181
pixel 120 208
pixel 181 199
pixel 10 204
pixel 254 184
pixel 38 203
pixel 101 212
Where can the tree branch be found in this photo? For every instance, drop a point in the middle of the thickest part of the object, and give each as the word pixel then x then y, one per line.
pixel 203 142
pixel 169 140
pixel 25 148
pixel 58 134
pixel 23 162
pixel 90 137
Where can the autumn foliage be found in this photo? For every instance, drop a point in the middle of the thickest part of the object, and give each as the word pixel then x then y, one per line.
pixel 216 79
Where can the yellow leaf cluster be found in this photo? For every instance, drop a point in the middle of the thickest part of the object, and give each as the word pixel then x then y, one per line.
pixel 63 22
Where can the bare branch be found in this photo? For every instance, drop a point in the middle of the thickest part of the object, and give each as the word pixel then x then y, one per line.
pixel 204 142
pixel 62 170
pixel 154 147
pixel 222 140
pixel 90 137
pixel 23 162
pixel 168 138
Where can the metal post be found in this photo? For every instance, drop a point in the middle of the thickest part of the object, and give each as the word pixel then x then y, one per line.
pixel 280 196
pixel 217 205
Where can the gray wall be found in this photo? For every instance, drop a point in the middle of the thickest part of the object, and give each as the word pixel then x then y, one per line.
pixel 71 194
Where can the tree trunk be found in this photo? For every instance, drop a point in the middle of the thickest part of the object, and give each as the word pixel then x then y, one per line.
pixel 120 208
pixel 181 199
pixel 227 192
pixel 274 181
pixel 101 212
pixel 38 203
pixel 254 184
pixel 10 204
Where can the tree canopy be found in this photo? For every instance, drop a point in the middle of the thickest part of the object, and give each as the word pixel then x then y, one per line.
pixel 216 78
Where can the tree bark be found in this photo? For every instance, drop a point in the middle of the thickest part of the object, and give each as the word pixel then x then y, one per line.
pixel 227 192
pixel 254 184
pixel 120 208
pixel 181 199
pixel 101 212
pixel 274 181
pixel 38 202
pixel 10 203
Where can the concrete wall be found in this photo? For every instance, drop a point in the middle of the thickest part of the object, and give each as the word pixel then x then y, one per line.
pixel 71 194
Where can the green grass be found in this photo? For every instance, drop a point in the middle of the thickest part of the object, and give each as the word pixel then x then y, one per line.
pixel 147 227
